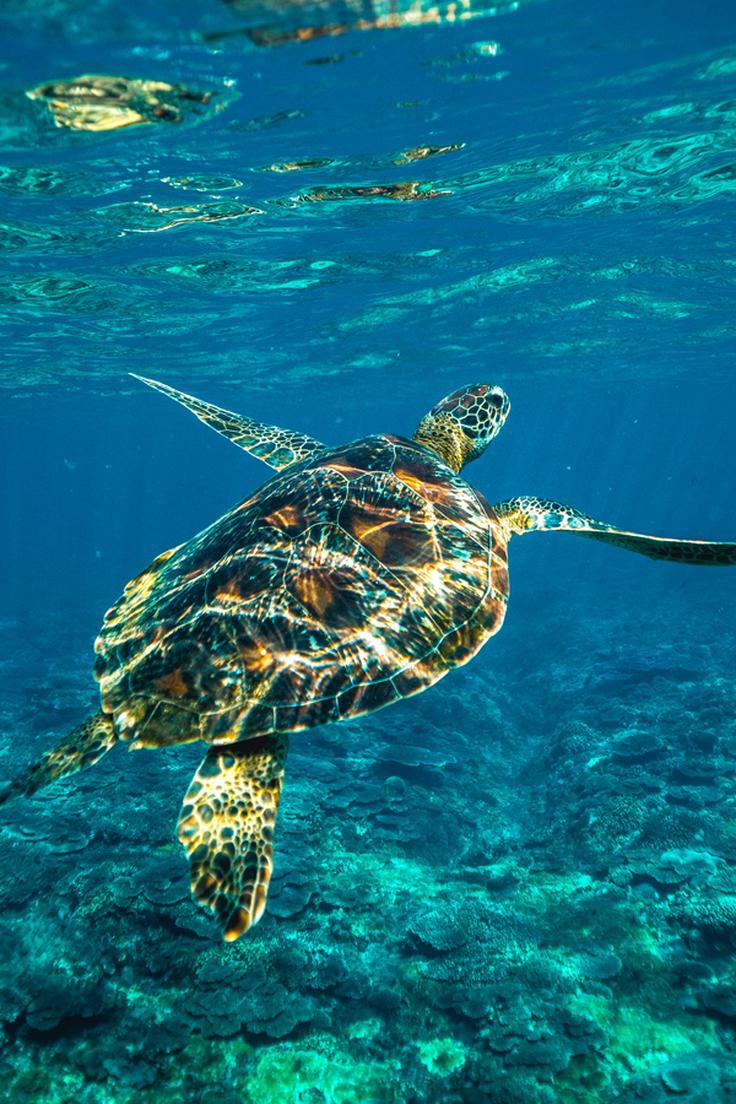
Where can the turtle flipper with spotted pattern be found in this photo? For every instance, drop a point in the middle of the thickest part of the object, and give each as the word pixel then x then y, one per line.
pixel 279 448
pixel 226 828
pixel 82 748
pixel 355 577
pixel 542 515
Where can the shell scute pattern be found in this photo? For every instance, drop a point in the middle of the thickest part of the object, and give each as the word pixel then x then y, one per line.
pixel 348 582
pixel 400 539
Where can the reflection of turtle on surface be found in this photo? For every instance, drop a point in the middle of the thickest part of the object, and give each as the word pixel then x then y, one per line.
pixel 407 191
pixel 358 576
pixel 110 103
pixel 304 20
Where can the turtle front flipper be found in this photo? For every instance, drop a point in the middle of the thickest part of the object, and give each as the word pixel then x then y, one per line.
pixel 83 747
pixel 529 515
pixel 226 827
pixel 279 448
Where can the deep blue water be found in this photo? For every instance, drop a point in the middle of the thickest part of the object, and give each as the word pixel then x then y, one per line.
pixel 517 888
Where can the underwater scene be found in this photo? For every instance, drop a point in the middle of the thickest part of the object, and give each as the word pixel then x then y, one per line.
pixel 431 276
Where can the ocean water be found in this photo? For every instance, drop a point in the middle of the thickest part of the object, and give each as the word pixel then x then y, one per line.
pixel 519 887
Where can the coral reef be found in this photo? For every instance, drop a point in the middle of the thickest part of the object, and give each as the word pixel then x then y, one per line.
pixel 523 892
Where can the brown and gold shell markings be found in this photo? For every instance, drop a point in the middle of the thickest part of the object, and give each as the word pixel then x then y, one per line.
pixel 337 589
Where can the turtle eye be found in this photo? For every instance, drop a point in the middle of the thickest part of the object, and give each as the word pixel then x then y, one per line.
pixel 497 401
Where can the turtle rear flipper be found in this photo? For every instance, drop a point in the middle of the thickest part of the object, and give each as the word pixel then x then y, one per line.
pixel 226 827
pixel 82 748
pixel 279 448
pixel 529 515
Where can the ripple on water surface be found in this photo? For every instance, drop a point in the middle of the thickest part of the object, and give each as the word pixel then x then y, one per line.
pixel 428 182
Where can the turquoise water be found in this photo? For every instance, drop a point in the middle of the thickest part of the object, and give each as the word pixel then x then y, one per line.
pixel 517 888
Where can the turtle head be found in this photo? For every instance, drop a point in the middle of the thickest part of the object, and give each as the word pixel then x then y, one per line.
pixel 461 427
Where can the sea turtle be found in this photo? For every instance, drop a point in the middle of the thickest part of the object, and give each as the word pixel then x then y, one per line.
pixel 357 576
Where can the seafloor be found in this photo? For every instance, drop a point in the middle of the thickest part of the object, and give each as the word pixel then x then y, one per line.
pixel 503 892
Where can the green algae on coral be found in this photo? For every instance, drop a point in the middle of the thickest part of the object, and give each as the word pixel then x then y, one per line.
pixel 289 1074
pixel 442 1056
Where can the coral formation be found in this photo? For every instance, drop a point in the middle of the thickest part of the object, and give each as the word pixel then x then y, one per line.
pixel 524 895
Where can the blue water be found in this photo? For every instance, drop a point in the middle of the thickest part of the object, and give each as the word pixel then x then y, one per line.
pixel 519 887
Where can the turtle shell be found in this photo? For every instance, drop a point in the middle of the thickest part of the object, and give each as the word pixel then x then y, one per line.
pixel 344 584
